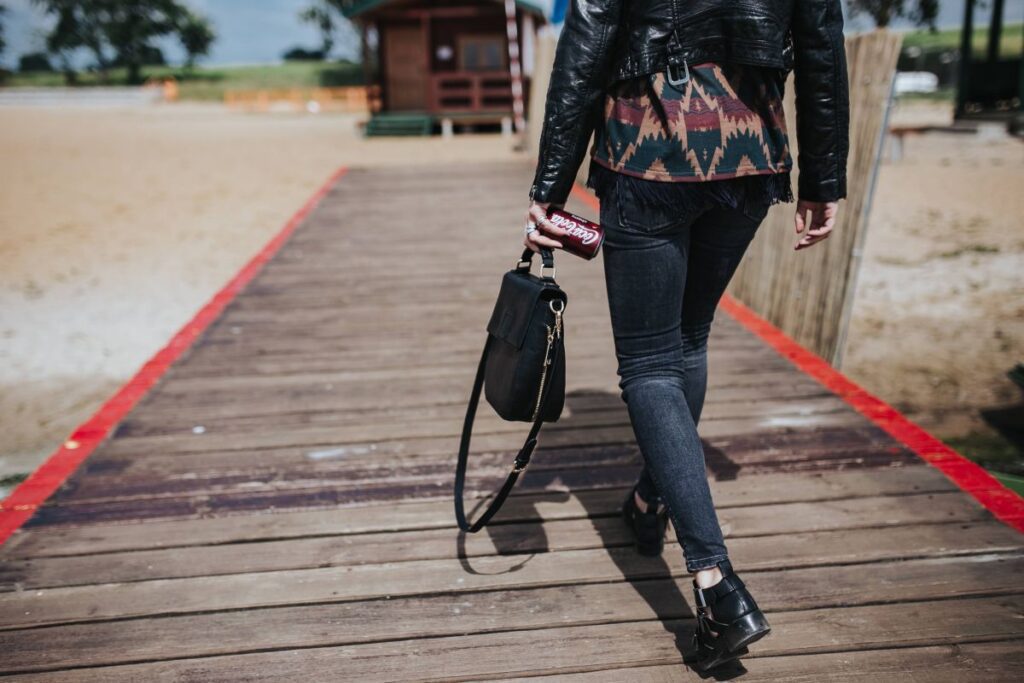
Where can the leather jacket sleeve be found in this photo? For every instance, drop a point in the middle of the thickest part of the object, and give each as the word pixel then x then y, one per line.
pixel 575 95
pixel 822 99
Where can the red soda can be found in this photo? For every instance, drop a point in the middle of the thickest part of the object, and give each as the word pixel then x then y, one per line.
pixel 583 237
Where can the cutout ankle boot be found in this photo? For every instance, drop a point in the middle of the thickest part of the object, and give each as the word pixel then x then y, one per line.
pixel 648 527
pixel 734 621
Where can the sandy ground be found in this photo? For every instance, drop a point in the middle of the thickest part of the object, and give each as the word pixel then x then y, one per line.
pixel 117 225
pixel 938 315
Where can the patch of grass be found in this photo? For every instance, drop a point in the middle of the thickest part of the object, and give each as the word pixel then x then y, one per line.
pixel 8 483
pixel 1000 457
pixel 940 95
pixel 990 450
pixel 13 480
pixel 1011 481
pixel 210 83
pixel 1011 45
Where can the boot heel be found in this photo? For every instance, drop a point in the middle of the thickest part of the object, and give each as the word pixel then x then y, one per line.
pixel 648 529
pixel 736 623
pixel 746 630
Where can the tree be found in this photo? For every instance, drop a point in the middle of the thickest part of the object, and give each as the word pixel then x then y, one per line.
pixel 3 10
pixel 321 15
pixel 125 27
pixel 78 26
pixel 301 54
pixel 328 17
pixel 921 12
pixel 196 35
pixel 129 27
pixel 34 61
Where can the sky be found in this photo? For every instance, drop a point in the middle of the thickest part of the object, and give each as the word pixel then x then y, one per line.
pixel 258 31
pixel 248 31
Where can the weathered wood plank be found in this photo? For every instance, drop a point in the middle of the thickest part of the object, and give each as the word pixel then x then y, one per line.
pixel 789 550
pixel 398 475
pixel 958 663
pixel 237 501
pixel 586 409
pixel 574 649
pixel 437 514
pixel 337 624
pixel 166 596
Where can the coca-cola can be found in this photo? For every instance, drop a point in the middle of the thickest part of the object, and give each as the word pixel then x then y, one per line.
pixel 582 238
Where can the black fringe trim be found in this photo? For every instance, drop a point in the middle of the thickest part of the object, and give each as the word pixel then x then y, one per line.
pixel 772 188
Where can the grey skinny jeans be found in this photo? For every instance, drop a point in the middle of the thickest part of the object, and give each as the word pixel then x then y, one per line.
pixel 665 272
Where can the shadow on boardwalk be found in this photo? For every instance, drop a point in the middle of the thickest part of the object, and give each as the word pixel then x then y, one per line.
pixel 279 506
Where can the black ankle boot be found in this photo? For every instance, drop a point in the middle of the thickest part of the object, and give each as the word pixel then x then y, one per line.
pixel 648 527
pixel 737 622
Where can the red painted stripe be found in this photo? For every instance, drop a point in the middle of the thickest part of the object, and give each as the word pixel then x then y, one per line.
pixel 969 476
pixel 16 509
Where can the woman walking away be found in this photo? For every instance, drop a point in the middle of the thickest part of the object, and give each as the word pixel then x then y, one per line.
pixel 690 150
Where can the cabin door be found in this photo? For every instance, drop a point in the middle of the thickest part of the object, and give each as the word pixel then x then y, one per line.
pixel 405 49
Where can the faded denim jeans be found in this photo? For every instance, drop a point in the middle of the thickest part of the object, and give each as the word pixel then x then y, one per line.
pixel 665 272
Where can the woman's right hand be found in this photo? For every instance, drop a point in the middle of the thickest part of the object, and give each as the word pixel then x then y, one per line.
pixel 537 214
pixel 823 219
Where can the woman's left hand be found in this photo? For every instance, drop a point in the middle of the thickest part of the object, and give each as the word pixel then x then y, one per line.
pixel 536 239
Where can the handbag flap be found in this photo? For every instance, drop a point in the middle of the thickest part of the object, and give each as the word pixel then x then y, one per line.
pixel 516 303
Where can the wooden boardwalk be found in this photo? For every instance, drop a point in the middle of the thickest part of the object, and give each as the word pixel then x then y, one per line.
pixel 279 506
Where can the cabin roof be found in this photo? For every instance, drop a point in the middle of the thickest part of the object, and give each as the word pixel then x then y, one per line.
pixel 355 8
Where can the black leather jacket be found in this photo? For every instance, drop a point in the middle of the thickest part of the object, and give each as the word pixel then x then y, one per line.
pixel 604 41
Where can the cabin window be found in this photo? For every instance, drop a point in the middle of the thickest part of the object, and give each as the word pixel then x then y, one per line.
pixel 482 53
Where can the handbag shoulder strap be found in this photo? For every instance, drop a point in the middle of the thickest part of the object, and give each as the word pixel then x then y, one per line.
pixel 522 458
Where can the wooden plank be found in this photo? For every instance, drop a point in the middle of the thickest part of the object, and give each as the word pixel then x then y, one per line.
pixel 334 624
pixel 791 550
pixel 168 596
pixel 437 514
pixel 779 445
pixel 958 663
pixel 587 409
pixel 360 467
pixel 430 435
pixel 334 496
pixel 444 424
pixel 573 649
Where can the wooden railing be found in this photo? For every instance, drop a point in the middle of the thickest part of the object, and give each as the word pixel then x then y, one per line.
pixel 471 91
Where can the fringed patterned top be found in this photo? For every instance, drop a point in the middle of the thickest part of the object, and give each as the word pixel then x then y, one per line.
pixel 726 123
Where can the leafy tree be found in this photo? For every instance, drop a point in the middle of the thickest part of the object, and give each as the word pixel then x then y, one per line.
pixel 125 27
pixel 129 27
pixel 921 12
pixel 3 10
pixel 321 15
pixel 301 54
pixel 149 55
pixel 196 35
pixel 327 16
pixel 34 61
pixel 78 26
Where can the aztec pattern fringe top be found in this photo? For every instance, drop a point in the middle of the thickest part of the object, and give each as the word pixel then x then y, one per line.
pixel 725 124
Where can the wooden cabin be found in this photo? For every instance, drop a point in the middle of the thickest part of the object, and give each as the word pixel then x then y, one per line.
pixel 441 61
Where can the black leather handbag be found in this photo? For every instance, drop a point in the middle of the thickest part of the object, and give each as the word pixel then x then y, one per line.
pixel 521 369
